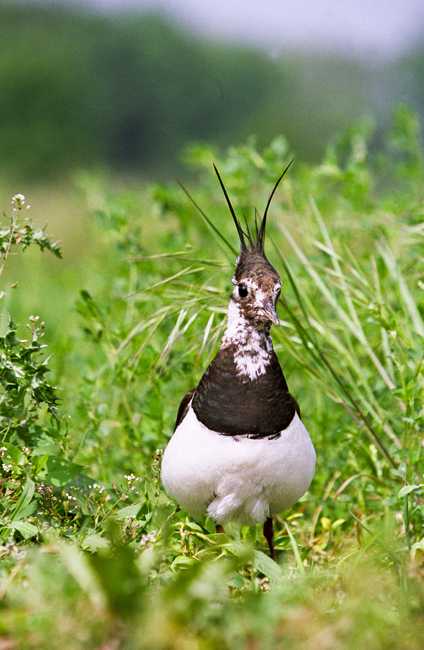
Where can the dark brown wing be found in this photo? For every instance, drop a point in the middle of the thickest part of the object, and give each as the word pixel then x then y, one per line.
pixel 182 411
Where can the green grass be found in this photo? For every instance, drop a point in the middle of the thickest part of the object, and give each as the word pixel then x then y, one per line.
pixel 94 554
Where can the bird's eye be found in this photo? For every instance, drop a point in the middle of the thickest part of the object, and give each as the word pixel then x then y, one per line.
pixel 242 290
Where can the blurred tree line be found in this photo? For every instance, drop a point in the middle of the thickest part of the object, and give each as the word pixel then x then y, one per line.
pixel 79 88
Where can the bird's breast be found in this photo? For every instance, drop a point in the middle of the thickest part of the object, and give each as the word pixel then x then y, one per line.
pixel 230 403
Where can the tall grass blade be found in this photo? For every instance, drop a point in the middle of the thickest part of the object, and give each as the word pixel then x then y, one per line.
pixel 295 551
pixel 210 223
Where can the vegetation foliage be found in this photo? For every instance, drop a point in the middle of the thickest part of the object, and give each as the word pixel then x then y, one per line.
pixel 94 554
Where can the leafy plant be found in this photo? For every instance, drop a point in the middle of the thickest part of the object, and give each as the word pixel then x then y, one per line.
pixel 30 424
pixel 24 387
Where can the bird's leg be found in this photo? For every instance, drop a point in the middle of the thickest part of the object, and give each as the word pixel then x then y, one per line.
pixel 269 536
pixel 219 528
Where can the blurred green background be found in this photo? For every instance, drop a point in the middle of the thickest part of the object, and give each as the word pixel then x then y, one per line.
pixel 129 90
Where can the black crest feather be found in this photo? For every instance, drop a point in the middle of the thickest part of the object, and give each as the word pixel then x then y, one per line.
pixel 249 241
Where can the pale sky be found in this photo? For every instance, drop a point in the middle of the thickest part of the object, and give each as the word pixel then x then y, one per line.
pixel 378 28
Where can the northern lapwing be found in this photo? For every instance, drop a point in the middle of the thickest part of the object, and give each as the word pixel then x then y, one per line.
pixel 240 452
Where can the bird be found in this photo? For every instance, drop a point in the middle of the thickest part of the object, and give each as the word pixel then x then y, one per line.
pixel 240 451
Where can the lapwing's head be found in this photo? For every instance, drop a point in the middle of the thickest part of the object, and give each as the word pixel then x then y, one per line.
pixel 257 285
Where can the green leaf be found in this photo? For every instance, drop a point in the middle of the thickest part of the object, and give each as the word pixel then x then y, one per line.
pixel 268 567
pixel 407 489
pixel 236 581
pixel 12 454
pixel 26 529
pixel 183 561
pixel 28 510
pixel 93 542
pixel 24 500
pixel 129 511
pixel 60 471
pixel 418 546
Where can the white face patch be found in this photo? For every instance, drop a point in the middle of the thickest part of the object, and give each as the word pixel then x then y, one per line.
pixel 249 323
pixel 253 348
pixel 260 295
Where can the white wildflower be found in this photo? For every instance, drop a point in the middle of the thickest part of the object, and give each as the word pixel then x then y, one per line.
pixel 18 201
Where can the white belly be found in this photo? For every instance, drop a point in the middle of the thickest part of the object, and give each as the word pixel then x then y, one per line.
pixel 242 480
